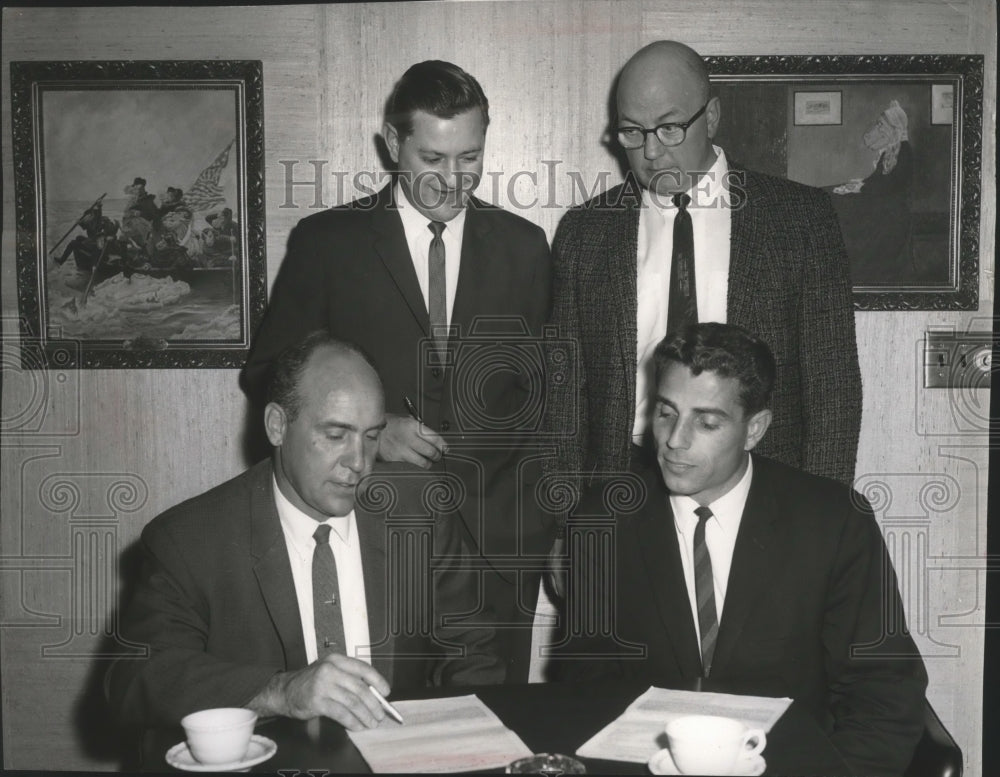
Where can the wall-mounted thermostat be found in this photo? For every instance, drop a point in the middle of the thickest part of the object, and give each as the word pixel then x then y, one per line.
pixel 958 359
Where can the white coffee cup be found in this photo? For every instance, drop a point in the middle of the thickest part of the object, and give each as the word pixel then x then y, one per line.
pixel 220 735
pixel 711 744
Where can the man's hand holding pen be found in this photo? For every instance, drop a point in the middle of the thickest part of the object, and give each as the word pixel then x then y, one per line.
pixel 407 438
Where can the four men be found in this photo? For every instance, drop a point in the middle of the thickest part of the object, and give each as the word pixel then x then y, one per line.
pixel 272 591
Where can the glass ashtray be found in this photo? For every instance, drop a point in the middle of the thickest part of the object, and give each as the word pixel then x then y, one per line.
pixel 546 763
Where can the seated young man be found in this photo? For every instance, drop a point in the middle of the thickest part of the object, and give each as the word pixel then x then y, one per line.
pixel 759 577
pixel 279 589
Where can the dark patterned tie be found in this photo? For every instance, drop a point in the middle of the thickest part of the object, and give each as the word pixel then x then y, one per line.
pixel 437 295
pixel 704 589
pixel 327 614
pixel 682 302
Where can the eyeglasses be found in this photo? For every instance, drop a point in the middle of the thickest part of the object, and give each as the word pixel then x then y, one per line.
pixel 671 134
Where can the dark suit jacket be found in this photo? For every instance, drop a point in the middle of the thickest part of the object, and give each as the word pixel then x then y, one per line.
pixel 812 611
pixel 348 270
pixel 788 284
pixel 216 605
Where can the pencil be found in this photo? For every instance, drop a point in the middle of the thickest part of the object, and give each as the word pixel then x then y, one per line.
pixel 393 712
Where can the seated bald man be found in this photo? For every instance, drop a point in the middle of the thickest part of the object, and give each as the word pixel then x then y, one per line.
pixel 236 602
pixel 747 574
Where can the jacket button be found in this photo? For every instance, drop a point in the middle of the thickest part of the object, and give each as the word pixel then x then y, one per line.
pixel 445 426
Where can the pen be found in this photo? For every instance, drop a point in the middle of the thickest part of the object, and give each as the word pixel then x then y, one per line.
pixel 393 712
pixel 412 410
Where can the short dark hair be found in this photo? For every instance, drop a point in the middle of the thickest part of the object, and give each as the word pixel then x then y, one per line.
pixel 726 349
pixel 436 87
pixel 283 386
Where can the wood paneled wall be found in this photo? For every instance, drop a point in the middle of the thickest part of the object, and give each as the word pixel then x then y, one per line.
pixel 128 444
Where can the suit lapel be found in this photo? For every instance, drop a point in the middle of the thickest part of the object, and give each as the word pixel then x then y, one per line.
pixel 657 540
pixel 374 566
pixel 272 568
pixel 391 247
pixel 745 241
pixel 760 553
pixel 477 253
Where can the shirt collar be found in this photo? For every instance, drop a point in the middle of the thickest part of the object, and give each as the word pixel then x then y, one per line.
pixel 415 222
pixel 711 190
pixel 727 509
pixel 301 527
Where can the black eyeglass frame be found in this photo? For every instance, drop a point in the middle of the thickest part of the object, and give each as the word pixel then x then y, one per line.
pixel 667 127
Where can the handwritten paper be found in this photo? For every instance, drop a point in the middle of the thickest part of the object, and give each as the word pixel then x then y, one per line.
pixel 456 734
pixel 638 732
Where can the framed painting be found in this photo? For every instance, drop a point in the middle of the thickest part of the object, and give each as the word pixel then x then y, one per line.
pixel 817 108
pixel 139 193
pixel 896 140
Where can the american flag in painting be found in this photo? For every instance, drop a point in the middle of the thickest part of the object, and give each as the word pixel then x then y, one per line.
pixel 205 193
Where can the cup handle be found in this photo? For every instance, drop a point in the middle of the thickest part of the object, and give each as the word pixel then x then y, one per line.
pixel 761 741
pixel 656 763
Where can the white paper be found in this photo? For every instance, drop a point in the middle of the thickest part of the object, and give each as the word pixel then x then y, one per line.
pixel 455 734
pixel 638 732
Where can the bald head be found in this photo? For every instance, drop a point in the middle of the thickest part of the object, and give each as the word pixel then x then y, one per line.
pixel 667 82
pixel 290 367
pixel 666 59
pixel 325 431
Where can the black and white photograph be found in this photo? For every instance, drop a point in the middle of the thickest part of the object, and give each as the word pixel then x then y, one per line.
pixel 499 386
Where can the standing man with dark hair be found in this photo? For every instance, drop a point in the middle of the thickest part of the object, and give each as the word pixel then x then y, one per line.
pixel 691 236
pixel 445 292
pixel 751 575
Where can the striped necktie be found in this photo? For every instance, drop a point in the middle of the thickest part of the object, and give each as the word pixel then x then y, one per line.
pixel 704 588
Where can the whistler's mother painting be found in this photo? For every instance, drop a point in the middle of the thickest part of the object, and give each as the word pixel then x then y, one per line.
pixel 875 211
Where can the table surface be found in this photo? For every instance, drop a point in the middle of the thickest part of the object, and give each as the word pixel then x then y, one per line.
pixel 549 717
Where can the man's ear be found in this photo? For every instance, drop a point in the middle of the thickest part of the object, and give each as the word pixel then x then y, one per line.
pixel 713 115
pixel 756 427
pixel 391 137
pixel 275 423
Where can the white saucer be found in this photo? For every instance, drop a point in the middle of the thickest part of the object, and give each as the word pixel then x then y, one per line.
pixel 261 748
pixel 748 766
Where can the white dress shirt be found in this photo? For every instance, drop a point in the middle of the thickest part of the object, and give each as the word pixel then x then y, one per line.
pixel 711 224
pixel 720 538
pixel 298 529
pixel 418 238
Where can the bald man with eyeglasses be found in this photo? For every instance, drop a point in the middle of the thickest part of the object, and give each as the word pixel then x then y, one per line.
pixel 691 236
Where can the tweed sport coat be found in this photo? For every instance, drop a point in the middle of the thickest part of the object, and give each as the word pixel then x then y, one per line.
pixel 788 284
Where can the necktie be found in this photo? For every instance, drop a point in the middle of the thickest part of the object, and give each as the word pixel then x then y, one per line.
pixel 704 588
pixel 682 301
pixel 437 305
pixel 327 614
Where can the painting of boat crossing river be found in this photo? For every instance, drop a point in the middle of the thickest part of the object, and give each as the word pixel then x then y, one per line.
pixel 145 247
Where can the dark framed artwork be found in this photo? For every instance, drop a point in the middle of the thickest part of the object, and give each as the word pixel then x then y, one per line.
pixel 902 164
pixel 139 192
